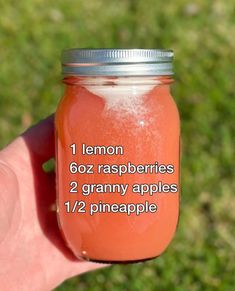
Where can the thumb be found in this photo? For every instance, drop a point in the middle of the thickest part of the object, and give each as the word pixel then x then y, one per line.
pixel 10 211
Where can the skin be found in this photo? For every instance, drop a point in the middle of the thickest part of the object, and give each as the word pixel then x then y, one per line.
pixel 33 255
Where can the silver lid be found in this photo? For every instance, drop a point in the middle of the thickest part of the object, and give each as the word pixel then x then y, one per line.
pixel 117 62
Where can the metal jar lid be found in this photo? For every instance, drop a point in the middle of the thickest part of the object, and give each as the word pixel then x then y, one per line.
pixel 117 62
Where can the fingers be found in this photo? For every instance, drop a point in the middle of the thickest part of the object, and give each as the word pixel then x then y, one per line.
pixel 40 139
pixel 35 146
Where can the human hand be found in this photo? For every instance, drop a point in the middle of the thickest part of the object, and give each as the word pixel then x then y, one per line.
pixel 33 255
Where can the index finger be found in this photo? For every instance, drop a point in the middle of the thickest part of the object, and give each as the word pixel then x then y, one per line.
pixel 36 144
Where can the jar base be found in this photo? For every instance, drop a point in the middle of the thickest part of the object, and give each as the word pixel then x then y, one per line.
pixel 117 262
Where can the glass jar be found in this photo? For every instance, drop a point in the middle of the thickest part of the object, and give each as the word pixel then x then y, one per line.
pixel 117 153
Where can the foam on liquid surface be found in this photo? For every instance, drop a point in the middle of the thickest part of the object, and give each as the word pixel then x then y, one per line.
pixel 121 97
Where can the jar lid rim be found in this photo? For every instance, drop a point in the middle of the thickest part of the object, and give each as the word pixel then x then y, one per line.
pixel 120 62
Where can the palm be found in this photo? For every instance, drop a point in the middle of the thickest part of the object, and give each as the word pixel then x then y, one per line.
pixel 31 223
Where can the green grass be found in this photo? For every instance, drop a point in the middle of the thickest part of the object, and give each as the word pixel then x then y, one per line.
pixel 202 34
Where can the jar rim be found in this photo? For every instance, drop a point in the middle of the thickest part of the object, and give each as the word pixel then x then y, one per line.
pixel 117 62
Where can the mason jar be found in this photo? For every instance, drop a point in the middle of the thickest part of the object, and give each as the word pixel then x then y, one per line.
pixel 117 154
